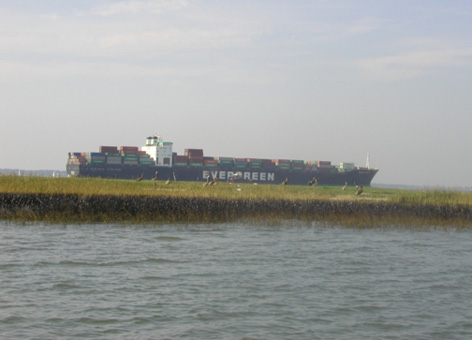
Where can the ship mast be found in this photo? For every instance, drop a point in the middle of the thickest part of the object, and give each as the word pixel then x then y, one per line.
pixel 367 162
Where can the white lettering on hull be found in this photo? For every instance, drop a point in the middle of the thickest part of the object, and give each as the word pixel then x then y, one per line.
pixel 246 175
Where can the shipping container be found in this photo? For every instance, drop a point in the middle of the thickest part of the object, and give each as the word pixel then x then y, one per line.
pixel 109 149
pixel 346 166
pixel 268 162
pixel 114 161
pixel 211 161
pixel 225 162
pixel 240 164
pixel 255 165
pixel 193 152
pixel 129 149
pixel 180 159
pixel 146 162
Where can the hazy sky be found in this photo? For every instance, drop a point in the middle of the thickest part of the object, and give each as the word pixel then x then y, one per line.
pixel 312 80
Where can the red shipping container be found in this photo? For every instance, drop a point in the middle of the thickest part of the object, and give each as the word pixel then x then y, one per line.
pixel 180 159
pixel 108 149
pixel 193 152
pixel 129 149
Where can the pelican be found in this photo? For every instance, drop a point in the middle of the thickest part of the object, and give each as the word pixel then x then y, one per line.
pixel 360 190
pixel 154 179
pixel 207 183
pixel 345 186
pixel 285 182
pixel 169 181
pixel 140 178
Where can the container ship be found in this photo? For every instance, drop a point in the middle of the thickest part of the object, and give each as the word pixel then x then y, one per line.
pixel 156 160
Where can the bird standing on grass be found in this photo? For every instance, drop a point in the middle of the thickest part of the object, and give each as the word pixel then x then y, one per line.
pixel 140 178
pixel 285 182
pixel 154 179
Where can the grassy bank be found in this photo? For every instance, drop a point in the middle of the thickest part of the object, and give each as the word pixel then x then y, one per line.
pixel 101 200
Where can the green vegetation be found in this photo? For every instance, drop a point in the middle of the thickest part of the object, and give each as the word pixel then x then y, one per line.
pixel 97 186
pixel 105 200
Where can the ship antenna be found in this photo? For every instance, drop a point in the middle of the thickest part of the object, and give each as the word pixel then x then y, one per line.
pixel 367 162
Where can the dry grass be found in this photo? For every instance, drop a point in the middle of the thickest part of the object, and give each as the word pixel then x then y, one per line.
pixel 104 200
pixel 97 186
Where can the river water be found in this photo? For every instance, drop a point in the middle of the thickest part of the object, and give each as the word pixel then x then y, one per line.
pixel 292 280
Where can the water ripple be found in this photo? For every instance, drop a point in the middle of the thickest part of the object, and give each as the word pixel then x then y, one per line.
pixel 234 281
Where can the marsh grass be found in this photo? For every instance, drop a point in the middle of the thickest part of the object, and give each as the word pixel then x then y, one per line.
pixel 98 186
pixel 107 200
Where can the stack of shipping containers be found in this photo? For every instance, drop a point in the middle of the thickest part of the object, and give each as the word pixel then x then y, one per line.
pixel 225 162
pixel 282 163
pixel 145 159
pixel 76 158
pixel 95 157
pixel 324 166
pixel 343 166
pixel 112 154
pixel 268 165
pixel 195 157
pixel 180 160
pixel 254 163
pixel 130 155
pixel 240 163
pixel 298 165
pixel 210 162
